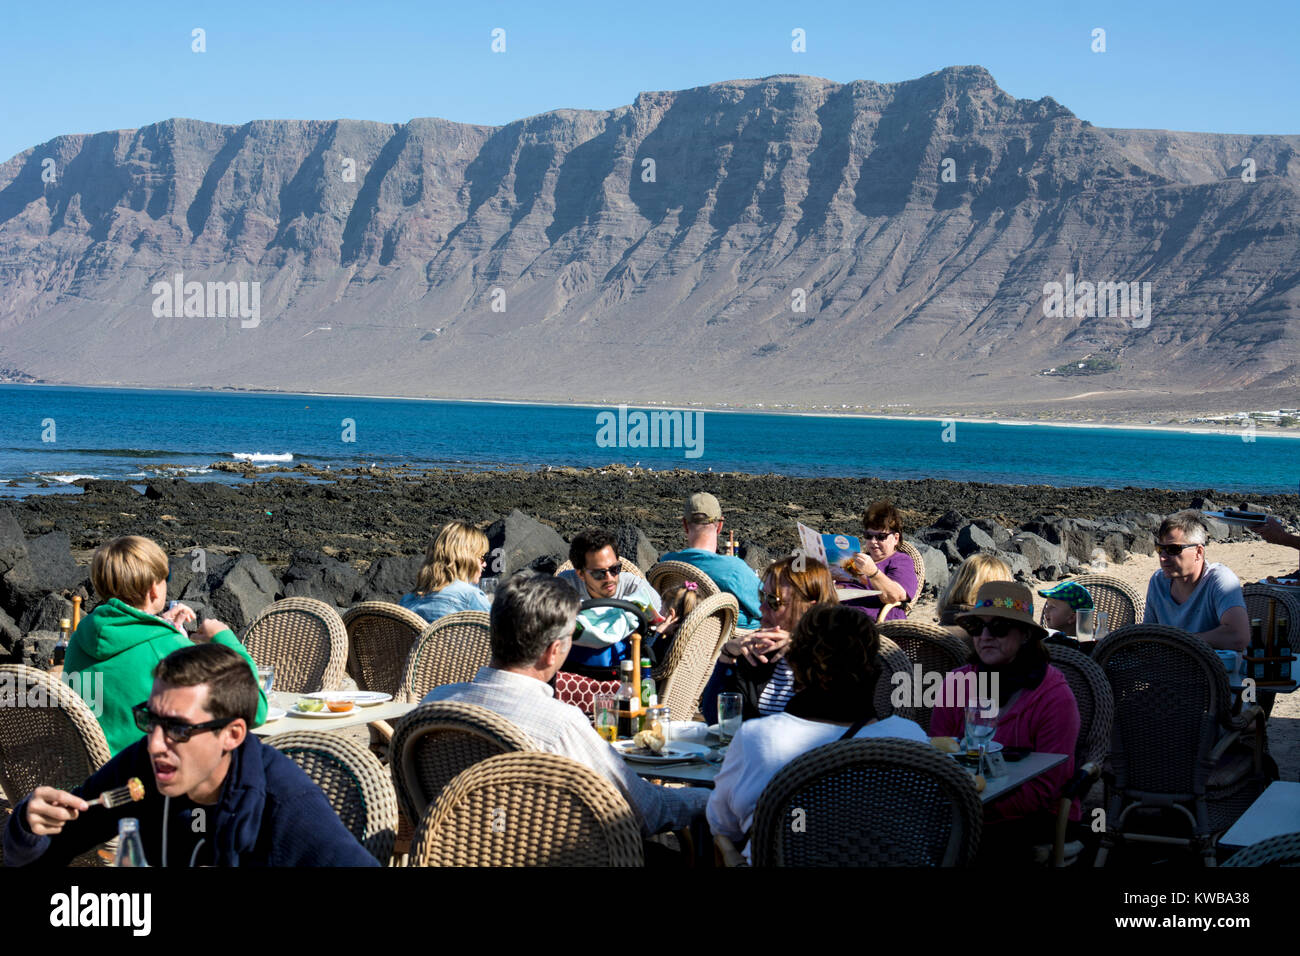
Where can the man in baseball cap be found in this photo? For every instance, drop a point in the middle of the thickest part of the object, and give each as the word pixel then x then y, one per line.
pixel 702 522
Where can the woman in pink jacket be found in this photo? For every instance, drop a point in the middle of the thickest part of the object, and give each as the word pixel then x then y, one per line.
pixel 1036 709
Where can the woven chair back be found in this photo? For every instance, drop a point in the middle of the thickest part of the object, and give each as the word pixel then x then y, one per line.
pixel 437 741
pixel 449 651
pixel 918 565
pixel 1171 696
pixel 1286 603
pixel 357 785
pixel 380 638
pixel 873 802
pixel 665 575
pixel 306 642
pixel 528 809
pixel 1093 695
pixel 892 661
pixel 1283 850
pixel 683 673
pixel 1122 604
pixel 929 645
pixel 53 739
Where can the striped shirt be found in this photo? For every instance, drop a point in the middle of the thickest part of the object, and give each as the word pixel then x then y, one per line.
pixel 777 691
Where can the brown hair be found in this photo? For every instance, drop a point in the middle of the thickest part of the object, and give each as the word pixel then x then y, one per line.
pixel 682 599
pixel 883 514
pixel 126 568
pixel 232 685
pixel 812 585
pixel 455 555
pixel 835 653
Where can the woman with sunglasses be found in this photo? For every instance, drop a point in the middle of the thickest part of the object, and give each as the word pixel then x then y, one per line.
pixel 762 676
pixel 449 578
pixel 1035 709
pixel 882 567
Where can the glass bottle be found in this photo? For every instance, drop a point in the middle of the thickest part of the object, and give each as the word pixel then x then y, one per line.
pixel 1283 645
pixel 61 648
pixel 647 687
pixel 1255 669
pixel 629 704
pixel 130 848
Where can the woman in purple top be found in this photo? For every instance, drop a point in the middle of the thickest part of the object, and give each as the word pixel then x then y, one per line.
pixel 882 567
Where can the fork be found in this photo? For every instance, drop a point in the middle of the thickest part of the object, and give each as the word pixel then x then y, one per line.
pixel 134 790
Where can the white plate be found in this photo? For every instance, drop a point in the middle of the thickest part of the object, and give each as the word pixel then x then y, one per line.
pixel 1237 518
pixel 362 698
pixel 324 712
pixel 675 751
pixel 991 747
pixel 274 713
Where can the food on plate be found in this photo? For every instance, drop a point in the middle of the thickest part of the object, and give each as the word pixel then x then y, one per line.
pixel 947 745
pixel 310 704
pixel 339 706
pixel 649 740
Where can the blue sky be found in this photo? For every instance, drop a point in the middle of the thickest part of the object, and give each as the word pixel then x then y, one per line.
pixel 88 66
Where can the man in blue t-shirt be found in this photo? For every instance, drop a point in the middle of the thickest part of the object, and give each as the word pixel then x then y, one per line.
pixel 1187 593
pixel 702 522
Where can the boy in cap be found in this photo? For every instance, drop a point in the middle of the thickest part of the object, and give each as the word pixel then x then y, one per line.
pixel 1060 617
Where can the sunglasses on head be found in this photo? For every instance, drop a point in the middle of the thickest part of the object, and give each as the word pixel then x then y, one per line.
pixel 176 730
pixel 1173 550
pixel 875 535
pixel 998 627
pixel 601 574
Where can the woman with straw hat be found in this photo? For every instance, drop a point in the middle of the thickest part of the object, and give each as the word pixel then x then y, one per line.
pixel 1035 709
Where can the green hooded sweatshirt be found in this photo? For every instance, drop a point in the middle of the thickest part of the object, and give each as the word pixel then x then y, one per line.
pixel 125 644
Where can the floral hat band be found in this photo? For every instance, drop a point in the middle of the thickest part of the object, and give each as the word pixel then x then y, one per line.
pixel 1009 600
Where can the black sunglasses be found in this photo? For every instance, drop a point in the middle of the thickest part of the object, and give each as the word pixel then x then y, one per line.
pixel 601 574
pixel 772 599
pixel 876 535
pixel 175 730
pixel 1174 550
pixel 998 627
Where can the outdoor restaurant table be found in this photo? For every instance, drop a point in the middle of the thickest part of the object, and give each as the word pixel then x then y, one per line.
pixel 1276 811
pixel 389 710
pixel 702 773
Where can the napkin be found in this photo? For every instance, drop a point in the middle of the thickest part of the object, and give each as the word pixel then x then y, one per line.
pixel 693 731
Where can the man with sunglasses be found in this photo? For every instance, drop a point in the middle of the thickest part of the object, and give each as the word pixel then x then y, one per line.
pixel 598 573
pixel 213 794
pixel 1188 593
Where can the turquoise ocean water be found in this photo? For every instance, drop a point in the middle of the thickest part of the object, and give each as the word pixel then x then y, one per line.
pixel 54 434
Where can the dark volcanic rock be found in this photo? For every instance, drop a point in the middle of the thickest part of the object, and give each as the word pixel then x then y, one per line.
pixel 973 538
pixel 393 576
pixel 1048 560
pixel 315 575
pixel 46 614
pixel 634 545
pixel 47 566
pixel 951 521
pixel 936 568
pixel 1000 535
pixel 13 546
pixel 35 649
pixel 9 634
pixel 755 555
pixel 526 543
pixel 244 589
pixel 1020 568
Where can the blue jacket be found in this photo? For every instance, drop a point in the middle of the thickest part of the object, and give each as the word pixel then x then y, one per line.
pixel 270 814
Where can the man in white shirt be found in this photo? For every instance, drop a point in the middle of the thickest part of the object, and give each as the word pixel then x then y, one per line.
pixel 533 618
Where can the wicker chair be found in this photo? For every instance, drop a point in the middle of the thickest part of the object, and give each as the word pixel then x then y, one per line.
pixel 1281 850
pixel 449 651
pixel 630 566
pixel 892 661
pixel 1257 600
pixel 1122 604
pixel 1171 737
pixel 58 746
pixel 357 786
pixel 1096 716
pixel 918 565
pixel 929 645
pixel 435 742
pixel 528 809
pixel 306 642
pixel 873 802
pixel 668 574
pixel 380 638
pixel 683 674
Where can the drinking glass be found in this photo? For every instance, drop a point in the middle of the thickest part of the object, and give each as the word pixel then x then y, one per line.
pixel 1083 620
pixel 605 713
pixel 729 710
pixel 488 586
pixel 981 724
pixel 266 677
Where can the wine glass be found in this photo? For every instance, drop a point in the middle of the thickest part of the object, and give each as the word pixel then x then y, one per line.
pixel 981 724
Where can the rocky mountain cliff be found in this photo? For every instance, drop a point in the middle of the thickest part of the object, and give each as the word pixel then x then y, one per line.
pixel 785 239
